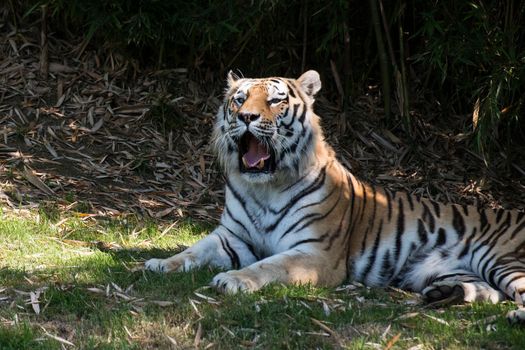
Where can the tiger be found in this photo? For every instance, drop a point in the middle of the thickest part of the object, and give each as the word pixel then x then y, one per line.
pixel 293 214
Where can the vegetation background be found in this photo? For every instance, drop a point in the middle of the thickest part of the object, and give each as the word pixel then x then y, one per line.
pixel 459 57
pixel 105 114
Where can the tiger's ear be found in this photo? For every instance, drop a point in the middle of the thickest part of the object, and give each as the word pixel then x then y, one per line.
pixel 232 78
pixel 310 82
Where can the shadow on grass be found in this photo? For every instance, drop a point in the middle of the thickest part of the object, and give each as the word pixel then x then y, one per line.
pixel 109 270
pixel 135 255
pixel 101 297
pixel 104 292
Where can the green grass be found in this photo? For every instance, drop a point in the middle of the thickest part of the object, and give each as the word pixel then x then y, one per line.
pixel 93 295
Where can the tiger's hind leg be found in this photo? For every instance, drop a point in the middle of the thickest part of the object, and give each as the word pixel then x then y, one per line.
pixel 509 274
pixel 460 286
pixel 516 316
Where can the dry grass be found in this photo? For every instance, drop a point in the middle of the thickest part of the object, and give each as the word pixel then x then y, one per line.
pixel 85 133
pixel 90 133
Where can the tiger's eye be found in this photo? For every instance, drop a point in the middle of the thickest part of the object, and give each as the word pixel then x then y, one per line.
pixel 274 101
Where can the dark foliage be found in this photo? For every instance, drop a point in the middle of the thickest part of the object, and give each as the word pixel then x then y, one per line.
pixel 467 55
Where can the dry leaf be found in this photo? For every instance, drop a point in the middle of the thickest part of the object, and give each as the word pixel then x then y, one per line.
pixel 34 301
pixel 28 174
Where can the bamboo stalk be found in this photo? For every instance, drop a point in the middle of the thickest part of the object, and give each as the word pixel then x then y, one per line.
pixel 404 82
pixel 44 54
pixel 305 36
pixel 383 60
pixel 346 68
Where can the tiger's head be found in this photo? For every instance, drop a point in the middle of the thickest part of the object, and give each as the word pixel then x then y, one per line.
pixel 266 129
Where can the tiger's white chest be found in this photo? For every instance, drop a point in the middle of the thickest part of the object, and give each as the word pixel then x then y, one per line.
pixel 270 217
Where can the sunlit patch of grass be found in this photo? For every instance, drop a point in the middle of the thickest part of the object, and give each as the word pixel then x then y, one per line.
pixel 88 291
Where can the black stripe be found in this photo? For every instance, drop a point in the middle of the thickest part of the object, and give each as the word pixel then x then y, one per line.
pixel 482 219
pixel 293 147
pixel 466 248
pixel 389 203
pixel 307 143
pixel 487 230
pixel 317 183
pixel 517 230
pixel 299 181
pixel 303 115
pixel 338 232
pixel 505 271
pixel 363 202
pixel 373 254
pixel 241 200
pixel 309 240
pixel 280 121
pixel 520 276
pixel 442 237
pixel 231 253
pixel 479 244
pixel 264 206
pixel 429 218
pixel 458 222
pixel 294 114
pixel 316 203
pixel 250 247
pixel 237 221
pixel 371 219
pixel 501 230
pixel 482 258
pixel 510 256
pixel 349 232
pixel 409 200
pixel 386 269
pixel 302 219
pixel 449 275
pixel 291 90
pixel 235 257
pixel 520 216
pixel 352 201
pixel 422 232
pixel 436 208
pixel 353 223
pixel 314 217
pixel 483 267
pixel 400 228
pixel 499 214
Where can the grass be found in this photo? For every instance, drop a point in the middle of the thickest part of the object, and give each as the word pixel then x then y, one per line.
pixel 81 273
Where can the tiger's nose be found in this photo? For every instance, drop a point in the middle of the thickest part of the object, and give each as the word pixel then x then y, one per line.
pixel 247 118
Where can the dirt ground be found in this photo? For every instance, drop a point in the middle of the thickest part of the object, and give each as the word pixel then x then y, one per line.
pixel 84 130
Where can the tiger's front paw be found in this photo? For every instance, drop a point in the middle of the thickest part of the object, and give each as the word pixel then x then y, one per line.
pixel 179 262
pixel 233 282
pixel 156 265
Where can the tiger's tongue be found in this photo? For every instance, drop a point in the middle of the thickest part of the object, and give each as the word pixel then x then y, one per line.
pixel 256 152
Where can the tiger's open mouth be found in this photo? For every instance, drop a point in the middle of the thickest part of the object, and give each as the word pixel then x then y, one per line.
pixel 255 156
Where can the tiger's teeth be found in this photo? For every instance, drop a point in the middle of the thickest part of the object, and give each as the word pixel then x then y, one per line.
pixel 245 163
pixel 260 165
